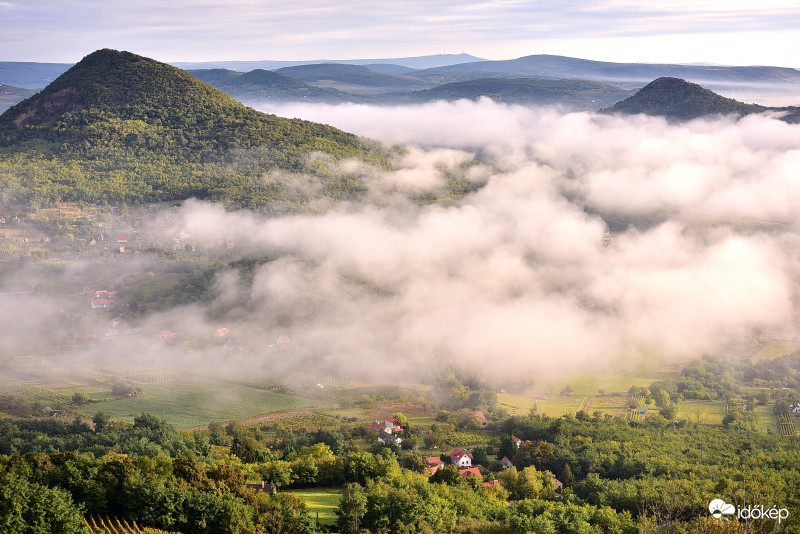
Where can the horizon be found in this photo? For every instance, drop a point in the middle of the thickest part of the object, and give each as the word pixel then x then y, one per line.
pixel 735 34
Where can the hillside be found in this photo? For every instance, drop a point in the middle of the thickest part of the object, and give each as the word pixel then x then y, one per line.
pixel 353 78
pixel 568 94
pixel 259 85
pixel 118 127
pixel 680 100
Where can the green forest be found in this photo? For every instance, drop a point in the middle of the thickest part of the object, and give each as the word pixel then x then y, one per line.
pixel 577 473
pixel 119 128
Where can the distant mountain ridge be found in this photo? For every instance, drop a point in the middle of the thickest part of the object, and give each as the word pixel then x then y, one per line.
pixel 262 84
pixel 574 95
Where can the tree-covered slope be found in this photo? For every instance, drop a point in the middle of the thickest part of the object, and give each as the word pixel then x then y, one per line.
pixel 570 94
pixel 681 100
pixel 354 78
pixel 118 127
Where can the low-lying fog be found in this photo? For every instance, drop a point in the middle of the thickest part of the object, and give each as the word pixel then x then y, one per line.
pixel 516 278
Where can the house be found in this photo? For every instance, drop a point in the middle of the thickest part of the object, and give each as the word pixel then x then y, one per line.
pixel 168 335
pixel 434 464
pixel 221 332
pixel 461 458
pixel 506 463
pixel 471 471
pixel 641 409
pixel 387 437
pixel 392 424
pixel 266 488
pixel 377 425
pixel 122 239
pixel 100 303
pixel 558 484
pixel 493 483
pixel 517 441
pixel 480 417
pixel 796 407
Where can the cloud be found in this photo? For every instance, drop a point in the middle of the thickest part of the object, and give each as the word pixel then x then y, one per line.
pixel 516 276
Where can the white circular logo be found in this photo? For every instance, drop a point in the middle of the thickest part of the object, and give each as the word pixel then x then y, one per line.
pixel 718 508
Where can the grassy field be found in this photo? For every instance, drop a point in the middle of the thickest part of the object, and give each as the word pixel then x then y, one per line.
pixel 765 415
pixel 188 403
pixel 775 350
pixel 703 412
pixel 322 500
pixel 555 406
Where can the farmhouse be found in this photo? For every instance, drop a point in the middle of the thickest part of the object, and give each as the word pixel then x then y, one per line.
pixel 392 424
pixel 434 464
pixel 461 458
pixel 796 407
pixel 506 463
pixel 266 488
pixel 387 437
pixel 471 471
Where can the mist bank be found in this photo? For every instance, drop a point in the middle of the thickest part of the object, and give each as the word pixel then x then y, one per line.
pixel 589 244
pixel 516 276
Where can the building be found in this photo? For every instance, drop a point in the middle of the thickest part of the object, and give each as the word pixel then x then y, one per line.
pixel 461 458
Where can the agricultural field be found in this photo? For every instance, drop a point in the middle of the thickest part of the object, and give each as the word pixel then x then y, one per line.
pixel 548 405
pixel 765 415
pixel 320 500
pixel 775 350
pixel 703 412
pixel 188 403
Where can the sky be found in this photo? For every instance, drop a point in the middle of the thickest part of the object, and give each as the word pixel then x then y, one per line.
pixel 731 32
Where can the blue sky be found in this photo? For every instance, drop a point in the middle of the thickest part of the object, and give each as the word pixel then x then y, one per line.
pixel 732 32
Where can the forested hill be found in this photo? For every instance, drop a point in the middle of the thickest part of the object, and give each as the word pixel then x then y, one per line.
pixel 681 100
pixel 126 128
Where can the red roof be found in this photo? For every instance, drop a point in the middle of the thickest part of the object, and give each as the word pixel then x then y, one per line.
pixel 434 462
pixel 169 335
pixel 481 417
pixel 392 420
pixel 492 483
pixel 458 454
pixel 471 471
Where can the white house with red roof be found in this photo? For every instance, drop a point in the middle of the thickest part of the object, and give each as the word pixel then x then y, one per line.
pixel 387 437
pixel 392 424
pixel 461 458
pixel 517 441
pixel 506 463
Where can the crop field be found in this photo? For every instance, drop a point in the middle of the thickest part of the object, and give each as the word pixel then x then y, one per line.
pixel 775 350
pixel 553 406
pixel 702 412
pixel 786 424
pixel 32 392
pixel 188 403
pixel 765 415
pixel 322 500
